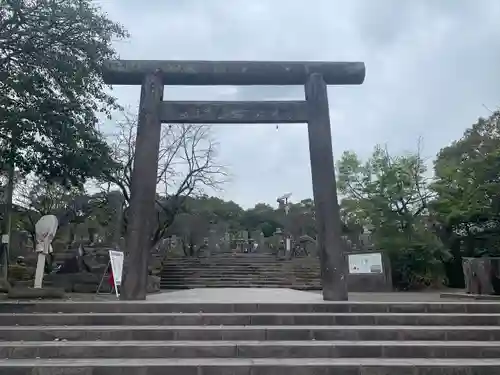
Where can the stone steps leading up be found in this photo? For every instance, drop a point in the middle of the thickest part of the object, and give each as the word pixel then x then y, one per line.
pixel 232 277
pixel 247 272
pixel 184 286
pixel 246 319
pixel 225 271
pixel 249 349
pixel 243 270
pixel 252 366
pixel 260 333
pixel 344 338
pixel 234 268
pixel 241 266
pixel 353 307
pixel 230 263
pixel 204 282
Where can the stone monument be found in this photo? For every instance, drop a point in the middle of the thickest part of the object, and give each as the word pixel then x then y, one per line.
pixel 45 229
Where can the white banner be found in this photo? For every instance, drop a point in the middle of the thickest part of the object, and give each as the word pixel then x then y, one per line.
pixel 116 258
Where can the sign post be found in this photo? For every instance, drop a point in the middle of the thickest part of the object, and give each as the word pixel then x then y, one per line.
pixel 116 260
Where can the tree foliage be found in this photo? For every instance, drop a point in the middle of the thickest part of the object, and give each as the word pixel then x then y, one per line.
pixel 467 184
pixel 389 195
pixel 35 198
pixel 51 53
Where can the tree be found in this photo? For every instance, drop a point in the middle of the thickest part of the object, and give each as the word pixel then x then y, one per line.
pixel 186 167
pixel 467 187
pixel 264 217
pixel 51 53
pixel 36 198
pixel 301 219
pixel 390 195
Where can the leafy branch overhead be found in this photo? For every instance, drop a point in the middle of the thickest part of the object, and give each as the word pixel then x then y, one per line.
pixel 467 185
pixel 396 185
pixel 51 54
pixel 390 195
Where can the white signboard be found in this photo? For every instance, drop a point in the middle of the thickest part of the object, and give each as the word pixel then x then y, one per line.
pixel 365 263
pixel 116 259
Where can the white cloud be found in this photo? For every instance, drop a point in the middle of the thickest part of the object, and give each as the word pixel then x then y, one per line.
pixel 431 65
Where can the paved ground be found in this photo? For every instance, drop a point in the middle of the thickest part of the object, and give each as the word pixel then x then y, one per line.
pixel 263 295
pixel 269 295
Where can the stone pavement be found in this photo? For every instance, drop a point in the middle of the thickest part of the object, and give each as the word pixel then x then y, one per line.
pixel 263 295
pixel 279 295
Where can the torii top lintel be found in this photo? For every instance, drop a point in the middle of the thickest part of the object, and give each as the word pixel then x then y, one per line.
pixel 203 73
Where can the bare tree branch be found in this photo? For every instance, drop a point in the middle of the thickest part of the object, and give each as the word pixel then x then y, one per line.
pixel 187 166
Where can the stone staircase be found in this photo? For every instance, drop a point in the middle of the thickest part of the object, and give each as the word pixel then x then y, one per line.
pixel 241 270
pixel 353 338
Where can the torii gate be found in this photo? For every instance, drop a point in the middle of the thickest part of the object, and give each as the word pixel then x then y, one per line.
pixel 153 111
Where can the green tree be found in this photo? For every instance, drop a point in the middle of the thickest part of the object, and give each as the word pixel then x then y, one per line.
pixel 51 53
pixel 301 219
pixel 36 198
pixel 390 195
pixel 263 217
pixel 467 187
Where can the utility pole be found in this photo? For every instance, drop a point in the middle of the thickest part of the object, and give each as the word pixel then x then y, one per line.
pixel 283 201
pixel 6 223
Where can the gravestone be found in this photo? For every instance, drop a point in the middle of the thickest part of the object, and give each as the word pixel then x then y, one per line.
pixel 482 275
pixel 226 242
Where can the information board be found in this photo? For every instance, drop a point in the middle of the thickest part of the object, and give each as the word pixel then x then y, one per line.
pixel 365 263
pixel 116 259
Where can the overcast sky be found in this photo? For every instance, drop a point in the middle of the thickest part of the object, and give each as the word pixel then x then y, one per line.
pixel 432 66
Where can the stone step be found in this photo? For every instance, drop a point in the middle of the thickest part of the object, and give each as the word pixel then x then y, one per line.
pixel 259 279
pixel 238 275
pixel 229 280
pixel 166 284
pixel 211 273
pixel 253 366
pixel 210 269
pixel 179 287
pixel 252 332
pixel 231 283
pixel 249 349
pixel 217 319
pixel 222 269
pixel 242 277
pixel 266 307
pixel 242 257
pixel 182 286
pixel 244 270
pixel 236 264
pixel 226 277
pixel 242 263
